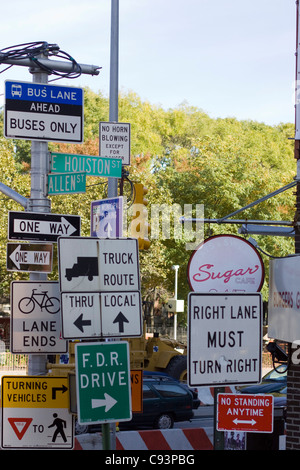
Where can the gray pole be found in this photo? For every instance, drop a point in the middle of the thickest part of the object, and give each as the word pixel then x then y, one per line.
pixel 109 442
pixel 114 81
pixel 37 363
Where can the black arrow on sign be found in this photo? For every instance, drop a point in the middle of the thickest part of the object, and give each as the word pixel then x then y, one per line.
pixel 62 389
pixel 121 319
pixel 80 322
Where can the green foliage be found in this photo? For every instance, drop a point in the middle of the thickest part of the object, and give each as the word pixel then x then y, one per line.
pixel 184 157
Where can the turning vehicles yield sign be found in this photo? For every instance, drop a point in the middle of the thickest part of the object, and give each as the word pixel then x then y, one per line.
pixel 35 413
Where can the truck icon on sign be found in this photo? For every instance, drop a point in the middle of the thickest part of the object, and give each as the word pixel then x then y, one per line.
pixel 85 266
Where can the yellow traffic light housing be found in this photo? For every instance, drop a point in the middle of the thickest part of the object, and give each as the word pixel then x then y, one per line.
pixel 140 228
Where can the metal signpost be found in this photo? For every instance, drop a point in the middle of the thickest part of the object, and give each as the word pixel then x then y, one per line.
pixel 43 112
pixel 103 382
pixel 35 413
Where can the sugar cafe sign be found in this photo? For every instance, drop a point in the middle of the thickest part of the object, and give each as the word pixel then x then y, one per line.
pixel 225 263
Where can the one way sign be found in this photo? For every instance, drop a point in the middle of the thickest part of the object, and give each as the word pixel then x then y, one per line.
pixel 42 227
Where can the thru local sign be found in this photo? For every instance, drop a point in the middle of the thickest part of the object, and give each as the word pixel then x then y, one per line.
pixel 100 287
pixel 103 382
pixel 225 338
pixel 243 412
pixel 36 111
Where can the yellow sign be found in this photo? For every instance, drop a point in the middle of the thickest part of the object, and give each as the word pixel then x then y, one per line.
pixel 35 392
pixel 136 390
pixel 35 413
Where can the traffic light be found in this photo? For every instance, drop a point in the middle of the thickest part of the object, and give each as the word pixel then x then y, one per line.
pixel 139 226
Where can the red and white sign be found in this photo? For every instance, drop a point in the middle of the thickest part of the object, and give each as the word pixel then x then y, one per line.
pixel 248 413
pixel 226 263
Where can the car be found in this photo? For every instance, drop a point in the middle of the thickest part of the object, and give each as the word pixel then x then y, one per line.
pixel 194 391
pixel 272 382
pixel 165 401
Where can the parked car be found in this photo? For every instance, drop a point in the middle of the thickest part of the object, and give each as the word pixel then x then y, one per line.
pixel 194 391
pixel 165 401
pixel 272 382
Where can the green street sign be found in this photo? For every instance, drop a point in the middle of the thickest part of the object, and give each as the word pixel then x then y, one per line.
pixel 91 165
pixel 103 385
pixel 66 183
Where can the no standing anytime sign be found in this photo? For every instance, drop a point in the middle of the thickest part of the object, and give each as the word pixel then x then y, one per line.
pixel 225 338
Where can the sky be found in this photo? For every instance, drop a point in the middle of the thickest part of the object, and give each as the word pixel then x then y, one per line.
pixel 229 58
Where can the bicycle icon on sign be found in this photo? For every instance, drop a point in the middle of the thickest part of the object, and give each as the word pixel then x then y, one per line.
pixel 27 304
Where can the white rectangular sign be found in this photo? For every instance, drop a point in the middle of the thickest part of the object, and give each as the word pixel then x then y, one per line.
pixel 80 315
pixel 88 264
pixel 284 299
pixel 119 265
pixel 224 338
pixel 35 318
pixel 105 314
pixel 114 141
pixel 121 314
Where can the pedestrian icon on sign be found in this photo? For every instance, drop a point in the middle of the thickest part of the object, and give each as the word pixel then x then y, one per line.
pixel 60 425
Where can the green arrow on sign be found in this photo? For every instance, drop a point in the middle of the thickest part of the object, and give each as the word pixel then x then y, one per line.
pixel 103 382
pixel 92 165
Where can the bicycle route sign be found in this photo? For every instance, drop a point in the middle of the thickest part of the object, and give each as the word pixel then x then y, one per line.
pixel 35 413
pixel 41 227
pixel 35 318
pixel 103 382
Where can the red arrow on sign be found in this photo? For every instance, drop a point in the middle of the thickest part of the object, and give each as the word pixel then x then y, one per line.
pixel 19 425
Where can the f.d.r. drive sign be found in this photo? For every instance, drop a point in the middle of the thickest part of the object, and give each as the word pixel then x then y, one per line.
pixel 36 111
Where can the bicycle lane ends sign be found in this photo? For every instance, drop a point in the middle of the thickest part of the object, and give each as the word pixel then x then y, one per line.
pixel 35 318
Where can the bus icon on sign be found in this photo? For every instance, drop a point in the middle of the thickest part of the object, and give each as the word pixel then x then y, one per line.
pixel 16 90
